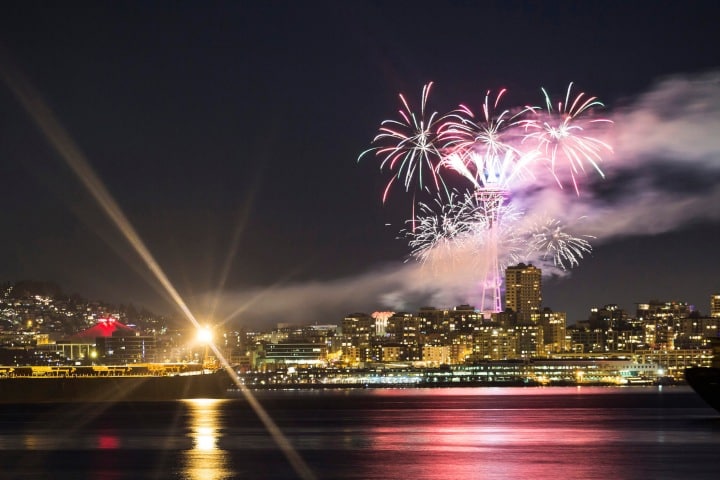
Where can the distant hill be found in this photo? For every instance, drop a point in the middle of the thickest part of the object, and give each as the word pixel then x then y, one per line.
pixel 28 288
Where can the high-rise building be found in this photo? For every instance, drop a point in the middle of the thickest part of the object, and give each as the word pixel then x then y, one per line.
pixel 523 290
pixel 715 305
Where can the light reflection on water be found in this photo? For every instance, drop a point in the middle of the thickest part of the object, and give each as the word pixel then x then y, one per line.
pixel 439 434
pixel 205 460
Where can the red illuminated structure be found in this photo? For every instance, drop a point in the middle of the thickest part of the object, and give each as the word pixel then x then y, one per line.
pixel 105 327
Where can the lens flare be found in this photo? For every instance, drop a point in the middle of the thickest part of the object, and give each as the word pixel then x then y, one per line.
pixel 58 137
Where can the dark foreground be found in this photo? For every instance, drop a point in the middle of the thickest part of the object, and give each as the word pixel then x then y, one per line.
pixel 489 433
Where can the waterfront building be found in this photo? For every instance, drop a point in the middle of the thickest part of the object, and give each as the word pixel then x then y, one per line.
pixel 620 371
pixel 122 348
pixel 674 362
pixel 553 329
pixel 107 341
pixel 493 343
pixel 435 355
pixel 390 353
pixel 529 340
pixel 359 327
pixel 66 352
pixel 585 340
pixel 404 328
pixel 293 354
pixel 560 371
pixel 461 350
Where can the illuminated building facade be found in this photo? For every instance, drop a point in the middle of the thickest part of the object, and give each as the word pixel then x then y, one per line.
pixel 434 355
pixel 553 329
pixel 121 348
pixel 529 341
pixel 523 290
pixel 659 319
pixel 715 305
pixel 360 326
pixel 294 353
pixel 493 343
pixel 403 328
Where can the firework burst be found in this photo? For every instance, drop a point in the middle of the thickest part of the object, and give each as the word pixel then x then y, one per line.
pixel 444 226
pixel 498 152
pixel 491 135
pixel 483 151
pixel 565 136
pixel 549 239
pixel 408 146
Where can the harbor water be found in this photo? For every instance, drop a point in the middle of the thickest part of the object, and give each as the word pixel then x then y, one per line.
pixel 447 433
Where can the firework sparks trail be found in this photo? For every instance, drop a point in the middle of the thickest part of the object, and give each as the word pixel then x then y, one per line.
pixel 566 134
pixel 442 226
pixel 551 240
pixel 381 321
pixel 410 148
pixel 498 153
pixel 484 151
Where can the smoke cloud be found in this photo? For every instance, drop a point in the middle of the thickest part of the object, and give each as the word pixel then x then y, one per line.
pixel 664 174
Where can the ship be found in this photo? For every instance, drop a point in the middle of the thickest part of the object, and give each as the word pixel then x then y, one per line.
pixel 706 380
pixel 109 384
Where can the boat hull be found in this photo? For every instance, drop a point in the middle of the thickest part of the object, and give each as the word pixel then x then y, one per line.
pixel 113 388
pixel 706 382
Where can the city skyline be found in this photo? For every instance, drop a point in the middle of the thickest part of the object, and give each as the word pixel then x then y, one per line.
pixel 232 150
pixel 62 330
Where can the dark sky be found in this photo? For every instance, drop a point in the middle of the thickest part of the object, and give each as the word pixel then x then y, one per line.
pixel 228 133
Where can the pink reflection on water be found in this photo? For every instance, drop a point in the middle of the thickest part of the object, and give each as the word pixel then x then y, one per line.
pixel 499 391
pixel 490 440
pixel 108 442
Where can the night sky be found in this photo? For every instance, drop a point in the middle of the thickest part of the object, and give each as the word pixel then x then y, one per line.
pixel 228 133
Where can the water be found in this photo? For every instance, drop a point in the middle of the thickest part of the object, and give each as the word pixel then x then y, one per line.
pixel 485 433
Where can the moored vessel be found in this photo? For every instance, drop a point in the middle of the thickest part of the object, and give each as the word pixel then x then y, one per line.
pixel 706 380
pixel 119 387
